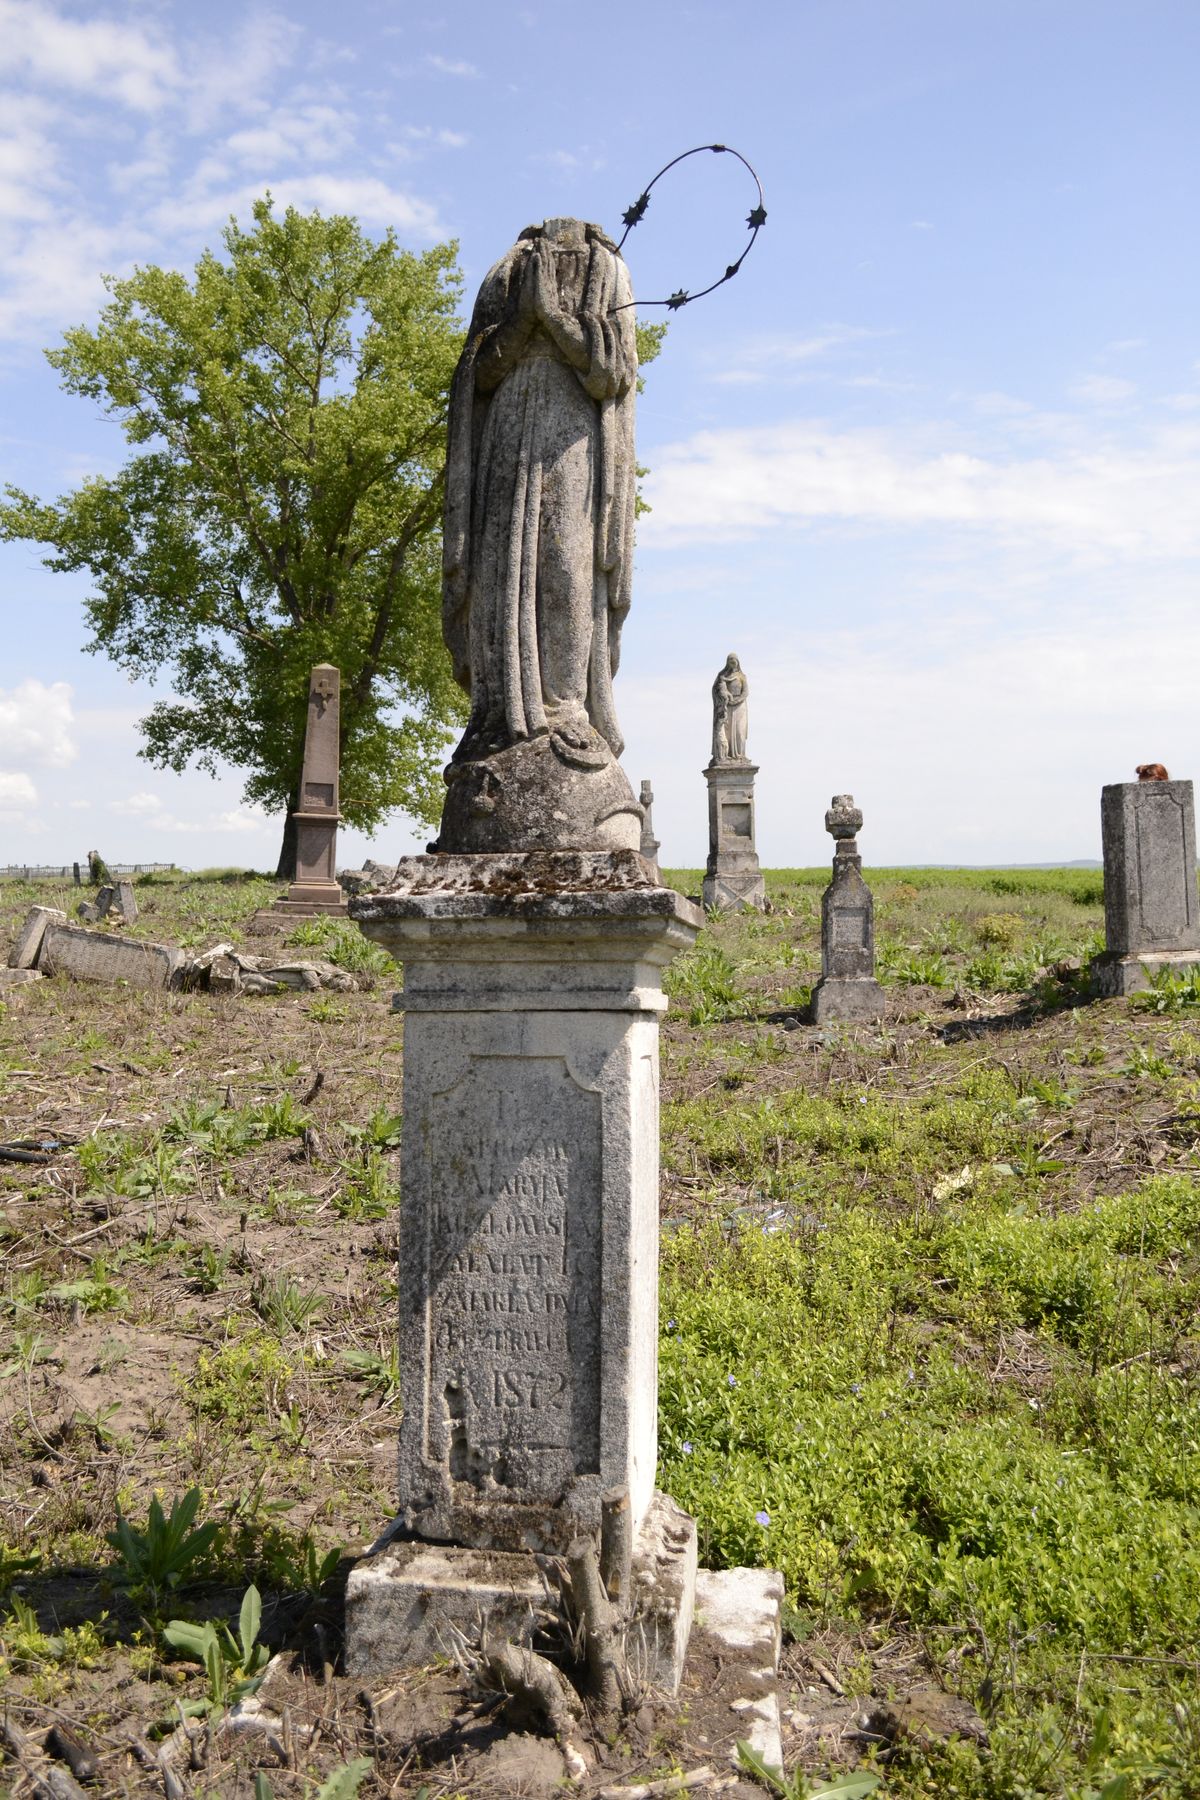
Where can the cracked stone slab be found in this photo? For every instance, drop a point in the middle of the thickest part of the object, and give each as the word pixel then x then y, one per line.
pixel 739 1610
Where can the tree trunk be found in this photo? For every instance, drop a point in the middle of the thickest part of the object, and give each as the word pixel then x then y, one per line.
pixel 286 868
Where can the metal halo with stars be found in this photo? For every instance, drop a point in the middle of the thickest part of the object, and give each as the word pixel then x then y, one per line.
pixel 637 212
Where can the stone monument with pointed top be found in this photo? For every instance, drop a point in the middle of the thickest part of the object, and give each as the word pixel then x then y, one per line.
pixel 649 845
pixel 732 878
pixel 847 989
pixel 315 889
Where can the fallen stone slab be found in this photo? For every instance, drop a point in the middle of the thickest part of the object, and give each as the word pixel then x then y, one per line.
pixel 739 1611
pixel 25 952
pixel 92 911
pixel 99 956
pixel 11 978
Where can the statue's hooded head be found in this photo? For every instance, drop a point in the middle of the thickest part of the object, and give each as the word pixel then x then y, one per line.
pixel 732 664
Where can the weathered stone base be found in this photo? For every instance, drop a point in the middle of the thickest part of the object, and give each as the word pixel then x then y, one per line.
pixel 406 1600
pixel 11 978
pixel 730 893
pixel 738 1610
pixel 1118 974
pixel 857 1000
pixel 539 794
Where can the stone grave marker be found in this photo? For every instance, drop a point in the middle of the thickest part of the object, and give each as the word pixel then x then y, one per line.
pixel 847 988
pixel 533 943
pixel 732 878
pixel 649 846
pixel 315 889
pixel 1151 921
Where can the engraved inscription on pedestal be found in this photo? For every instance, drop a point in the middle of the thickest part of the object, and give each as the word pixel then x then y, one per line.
pixel 513 1260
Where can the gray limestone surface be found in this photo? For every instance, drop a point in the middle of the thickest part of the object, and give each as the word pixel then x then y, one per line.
pixel 847 989
pixel 25 952
pixel 101 956
pixel 529 1213
pixel 739 1610
pixel 649 845
pixel 538 547
pixel 1149 838
pixel 126 902
pixel 315 889
pixel 404 1602
pixel 732 877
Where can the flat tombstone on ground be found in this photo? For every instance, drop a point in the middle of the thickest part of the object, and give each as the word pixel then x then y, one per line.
pixel 1151 917
pixel 847 989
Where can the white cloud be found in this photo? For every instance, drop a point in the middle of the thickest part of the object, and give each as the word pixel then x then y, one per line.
pixel 152 810
pixel 445 65
pixel 1099 498
pixel 373 201
pixel 312 133
pixel 766 359
pixel 1102 390
pixel 17 793
pixel 127 61
pixel 37 723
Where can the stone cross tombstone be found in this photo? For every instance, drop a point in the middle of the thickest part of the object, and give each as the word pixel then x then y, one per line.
pixel 533 940
pixel 649 846
pixel 732 878
pixel 847 989
pixel 315 889
pixel 1151 921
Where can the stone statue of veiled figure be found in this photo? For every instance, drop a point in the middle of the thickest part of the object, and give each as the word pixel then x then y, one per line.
pixel 540 486
pixel 731 692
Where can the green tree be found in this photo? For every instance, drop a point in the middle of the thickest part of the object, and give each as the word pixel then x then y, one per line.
pixel 283 506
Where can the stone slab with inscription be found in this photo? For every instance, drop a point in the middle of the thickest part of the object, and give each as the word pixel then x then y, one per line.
pixel 732 877
pixel 1151 919
pixel 847 989
pixel 529 1199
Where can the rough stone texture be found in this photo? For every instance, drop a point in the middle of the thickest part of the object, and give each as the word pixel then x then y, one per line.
pixel 10 978
pixel 403 1600
pixel 529 1200
pixel 663 1592
pixel 538 547
pixel 732 878
pixel 731 712
pixel 315 889
pixel 100 956
pixel 1150 900
pixel 25 952
pixel 92 911
pixel 847 989
pixel 649 845
pixel 126 902
pixel 739 1609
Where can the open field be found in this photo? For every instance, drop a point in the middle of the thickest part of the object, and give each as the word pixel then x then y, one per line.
pixel 930 1340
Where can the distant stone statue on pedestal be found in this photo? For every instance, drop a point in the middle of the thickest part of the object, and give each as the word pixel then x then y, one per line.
pixel 315 889
pixel 847 988
pixel 1151 921
pixel 732 878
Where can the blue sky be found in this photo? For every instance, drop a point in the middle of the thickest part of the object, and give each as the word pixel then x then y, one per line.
pixel 931 465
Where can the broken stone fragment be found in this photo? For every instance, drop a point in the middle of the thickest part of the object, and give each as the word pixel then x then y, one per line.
pixel 28 947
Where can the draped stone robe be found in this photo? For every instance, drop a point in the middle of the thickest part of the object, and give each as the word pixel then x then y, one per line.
pixel 540 484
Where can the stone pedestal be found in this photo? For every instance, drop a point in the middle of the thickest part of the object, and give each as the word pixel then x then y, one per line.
pixel 847 989
pixel 529 1201
pixel 732 878
pixel 1150 901
pixel 315 889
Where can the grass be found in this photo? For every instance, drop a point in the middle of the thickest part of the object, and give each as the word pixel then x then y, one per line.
pixel 929 1317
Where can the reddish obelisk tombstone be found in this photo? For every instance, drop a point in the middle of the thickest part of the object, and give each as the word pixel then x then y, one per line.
pixel 315 889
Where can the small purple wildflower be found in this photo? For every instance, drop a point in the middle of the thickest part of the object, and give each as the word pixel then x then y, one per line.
pixel 732 1380
pixel 762 1518
pixel 686 1447
pixel 856 1387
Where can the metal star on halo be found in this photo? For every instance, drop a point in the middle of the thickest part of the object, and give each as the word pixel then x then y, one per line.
pixel 678 298
pixel 757 217
pixel 637 212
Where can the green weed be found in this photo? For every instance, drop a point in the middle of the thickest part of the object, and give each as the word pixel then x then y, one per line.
pixel 234 1666
pixel 156 1557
